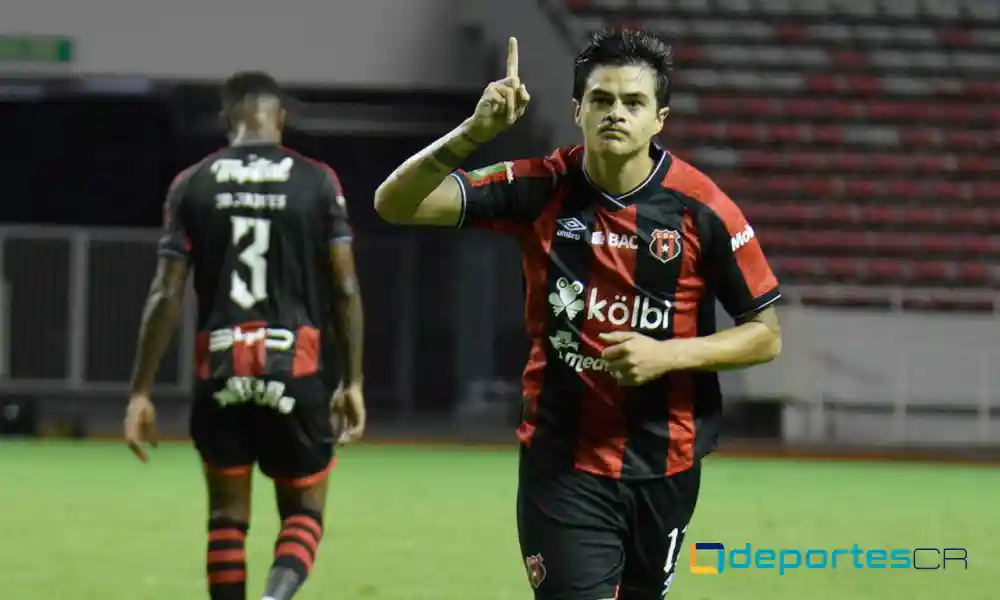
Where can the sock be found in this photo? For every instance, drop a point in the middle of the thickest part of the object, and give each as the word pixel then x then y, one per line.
pixel 294 553
pixel 226 561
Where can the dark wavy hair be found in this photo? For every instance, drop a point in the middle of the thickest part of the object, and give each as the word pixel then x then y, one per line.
pixel 617 47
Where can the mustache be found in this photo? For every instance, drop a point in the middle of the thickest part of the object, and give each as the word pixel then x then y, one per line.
pixel 619 127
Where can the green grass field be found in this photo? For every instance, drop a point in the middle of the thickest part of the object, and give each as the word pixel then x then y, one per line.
pixel 86 521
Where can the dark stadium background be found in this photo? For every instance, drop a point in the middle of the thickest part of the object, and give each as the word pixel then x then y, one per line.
pixel 860 137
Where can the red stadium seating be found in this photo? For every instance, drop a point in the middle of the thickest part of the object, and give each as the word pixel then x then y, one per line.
pixel 861 137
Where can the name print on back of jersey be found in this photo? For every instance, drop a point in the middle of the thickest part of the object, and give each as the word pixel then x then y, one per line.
pixel 248 200
pixel 249 284
pixel 256 223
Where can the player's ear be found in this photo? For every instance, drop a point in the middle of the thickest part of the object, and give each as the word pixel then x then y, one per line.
pixel 661 117
pixel 662 113
pixel 576 112
pixel 282 115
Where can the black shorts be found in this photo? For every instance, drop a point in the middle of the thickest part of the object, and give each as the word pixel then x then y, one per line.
pixel 292 442
pixel 585 537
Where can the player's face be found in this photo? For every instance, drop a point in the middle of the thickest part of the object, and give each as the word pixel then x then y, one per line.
pixel 618 113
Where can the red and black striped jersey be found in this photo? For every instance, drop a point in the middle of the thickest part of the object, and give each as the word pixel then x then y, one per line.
pixel 652 261
pixel 255 222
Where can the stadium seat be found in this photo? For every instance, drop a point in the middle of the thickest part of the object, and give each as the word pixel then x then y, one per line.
pixel 861 137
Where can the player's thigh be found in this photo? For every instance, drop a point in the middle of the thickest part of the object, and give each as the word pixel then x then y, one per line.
pixel 661 513
pixel 570 527
pixel 296 448
pixel 221 432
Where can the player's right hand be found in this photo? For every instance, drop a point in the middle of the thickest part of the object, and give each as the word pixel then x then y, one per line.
pixel 502 103
pixel 349 412
pixel 140 426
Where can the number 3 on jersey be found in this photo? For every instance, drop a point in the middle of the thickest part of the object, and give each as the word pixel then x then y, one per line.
pixel 253 256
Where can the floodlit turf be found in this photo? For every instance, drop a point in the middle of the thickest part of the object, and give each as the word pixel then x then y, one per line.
pixel 86 521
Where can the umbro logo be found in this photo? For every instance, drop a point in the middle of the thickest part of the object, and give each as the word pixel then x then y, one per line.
pixel 571 224
pixel 570 228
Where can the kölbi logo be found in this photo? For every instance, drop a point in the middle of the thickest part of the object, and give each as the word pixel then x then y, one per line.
pixel 566 298
pixel 637 312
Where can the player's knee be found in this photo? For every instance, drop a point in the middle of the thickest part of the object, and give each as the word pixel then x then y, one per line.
pixel 309 500
pixel 229 497
pixel 233 512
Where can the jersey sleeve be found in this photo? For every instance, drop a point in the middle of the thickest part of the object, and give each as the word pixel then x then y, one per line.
pixel 335 207
pixel 742 277
pixel 174 240
pixel 506 196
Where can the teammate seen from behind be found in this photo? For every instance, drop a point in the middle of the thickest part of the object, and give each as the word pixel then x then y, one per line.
pixel 266 232
pixel 625 249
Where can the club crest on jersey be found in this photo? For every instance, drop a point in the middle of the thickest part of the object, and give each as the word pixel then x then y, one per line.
pixel 665 245
pixel 535 566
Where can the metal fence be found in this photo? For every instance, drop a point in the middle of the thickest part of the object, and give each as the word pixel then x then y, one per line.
pixel 72 301
pixel 445 344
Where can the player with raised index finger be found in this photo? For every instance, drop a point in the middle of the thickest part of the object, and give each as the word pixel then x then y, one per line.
pixel 625 249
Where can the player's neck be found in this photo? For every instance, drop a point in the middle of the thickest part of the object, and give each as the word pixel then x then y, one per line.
pixel 243 135
pixel 617 175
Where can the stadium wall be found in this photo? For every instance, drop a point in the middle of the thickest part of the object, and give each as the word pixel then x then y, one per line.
pixel 367 44
pixel 72 299
pixel 882 378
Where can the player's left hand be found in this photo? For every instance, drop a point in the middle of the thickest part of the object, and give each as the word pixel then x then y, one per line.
pixel 140 426
pixel 633 358
pixel 348 413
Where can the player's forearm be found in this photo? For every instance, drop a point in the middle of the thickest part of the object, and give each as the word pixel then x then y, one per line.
pixel 349 328
pixel 159 320
pixel 399 196
pixel 745 345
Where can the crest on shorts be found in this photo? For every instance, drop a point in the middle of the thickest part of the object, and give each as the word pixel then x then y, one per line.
pixel 535 566
pixel 665 244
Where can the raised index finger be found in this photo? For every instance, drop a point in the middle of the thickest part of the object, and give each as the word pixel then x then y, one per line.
pixel 512 58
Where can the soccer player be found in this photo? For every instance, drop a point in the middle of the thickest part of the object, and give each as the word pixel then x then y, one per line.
pixel 625 249
pixel 266 232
